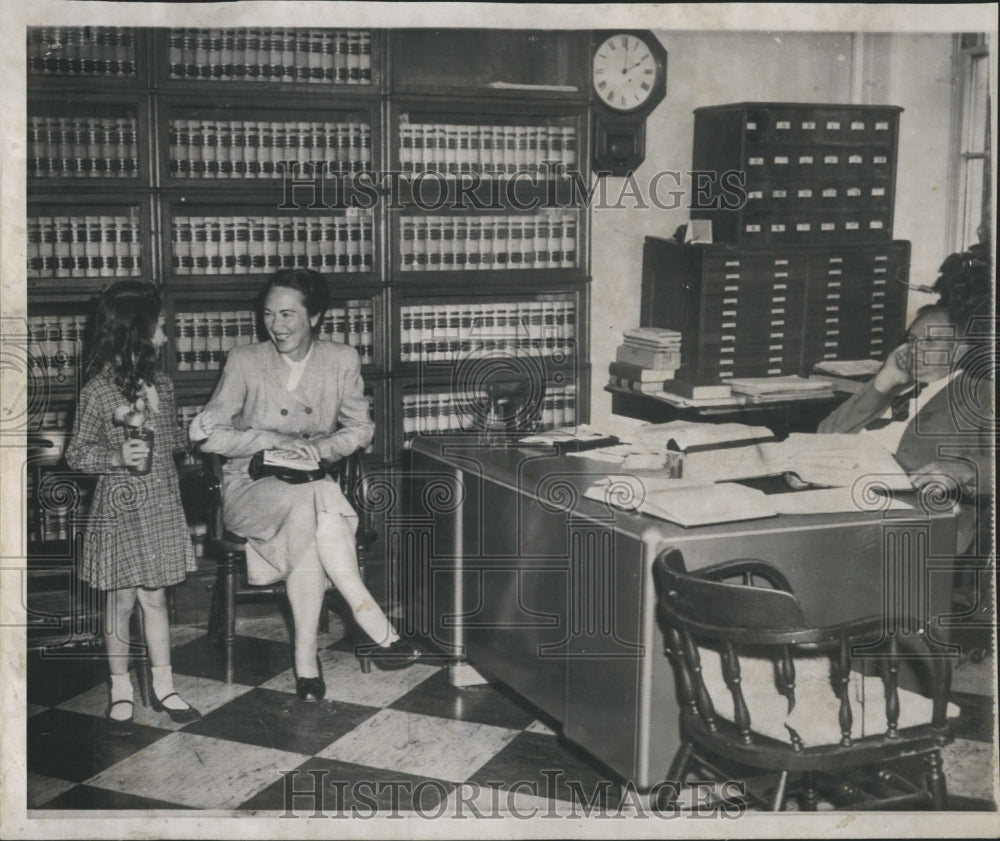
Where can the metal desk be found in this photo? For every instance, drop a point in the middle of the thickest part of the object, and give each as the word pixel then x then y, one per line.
pixel 509 566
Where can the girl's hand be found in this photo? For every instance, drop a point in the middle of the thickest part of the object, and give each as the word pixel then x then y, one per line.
pixel 133 452
pixel 127 415
pixel 895 371
pixel 201 427
pixel 303 448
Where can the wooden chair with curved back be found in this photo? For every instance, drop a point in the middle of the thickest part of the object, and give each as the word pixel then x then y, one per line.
pixel 757 683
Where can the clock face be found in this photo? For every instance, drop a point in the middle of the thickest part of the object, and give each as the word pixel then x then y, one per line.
pixel 625 72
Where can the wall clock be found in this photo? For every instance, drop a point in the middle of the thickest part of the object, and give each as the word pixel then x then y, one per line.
pixel 629 79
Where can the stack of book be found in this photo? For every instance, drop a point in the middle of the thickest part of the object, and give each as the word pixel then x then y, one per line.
pixel 646 359
pixel 845 374
pixel 775 389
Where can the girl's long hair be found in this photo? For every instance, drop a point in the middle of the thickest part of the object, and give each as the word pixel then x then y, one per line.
pixel 122 335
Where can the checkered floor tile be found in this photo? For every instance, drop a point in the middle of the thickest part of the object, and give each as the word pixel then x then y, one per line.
pixel 383 742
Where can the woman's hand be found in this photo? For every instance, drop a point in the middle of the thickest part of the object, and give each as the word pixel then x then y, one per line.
pixel 895 371
pixel 201 427
pixel 954 474
pixel 302 448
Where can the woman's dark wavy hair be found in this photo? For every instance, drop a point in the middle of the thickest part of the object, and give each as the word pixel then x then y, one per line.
pixel 965 290
pixel 122 335
pixel 965 287
pixel 311 286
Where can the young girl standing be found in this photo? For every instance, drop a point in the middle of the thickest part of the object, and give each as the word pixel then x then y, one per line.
pixel 137 541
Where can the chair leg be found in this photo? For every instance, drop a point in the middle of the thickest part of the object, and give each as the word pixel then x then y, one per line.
pixel 217 606
pixel 810 795
pixel 229 614
pixel 678 768
pixel 779 793
pixel 936 783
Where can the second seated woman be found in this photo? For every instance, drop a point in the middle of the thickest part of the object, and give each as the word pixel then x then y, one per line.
pixel 296 393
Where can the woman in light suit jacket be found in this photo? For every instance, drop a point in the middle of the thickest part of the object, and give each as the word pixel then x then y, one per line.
pixel 305 396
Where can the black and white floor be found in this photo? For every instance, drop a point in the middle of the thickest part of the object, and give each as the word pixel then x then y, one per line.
pixel 402 740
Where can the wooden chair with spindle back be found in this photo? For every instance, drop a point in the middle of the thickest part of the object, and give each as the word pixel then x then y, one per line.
pixel 723 634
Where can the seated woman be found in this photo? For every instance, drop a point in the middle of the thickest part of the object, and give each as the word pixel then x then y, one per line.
pixel 931 404
pixel 306 396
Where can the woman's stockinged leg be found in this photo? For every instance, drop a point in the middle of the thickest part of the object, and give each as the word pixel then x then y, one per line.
pixel 337 554
pixel 306 589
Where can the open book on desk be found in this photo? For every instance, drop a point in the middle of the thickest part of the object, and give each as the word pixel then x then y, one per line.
pixel 836 460
pixel 690 436
pixel 691 504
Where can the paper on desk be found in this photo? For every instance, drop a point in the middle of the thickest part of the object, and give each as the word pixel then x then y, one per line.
pixel 835 460
pixel 834 501
pixel 583 432
pixel 681 501
pixel 614 454
pixel 688 434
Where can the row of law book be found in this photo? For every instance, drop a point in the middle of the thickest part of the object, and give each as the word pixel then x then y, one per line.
pixel 445 412
pixel 489 150
pixel 54 346
pixel 256 148
pixel 300 56
pixel 202 339
pixel 430 332
pixel 186 414
pixel 83 246
pixel 82 147
pixel 237 244
pixel 646 359
pixel 60 514
pixel 544 240
pixel 107 51
pixel 52 420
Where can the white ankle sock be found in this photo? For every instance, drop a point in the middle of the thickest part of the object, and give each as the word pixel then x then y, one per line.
pixel 121 690
pixel 163 685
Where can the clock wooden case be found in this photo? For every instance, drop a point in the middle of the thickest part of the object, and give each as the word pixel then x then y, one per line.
pixel 628 79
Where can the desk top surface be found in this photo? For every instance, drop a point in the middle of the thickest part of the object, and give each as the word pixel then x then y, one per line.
pixel 558 483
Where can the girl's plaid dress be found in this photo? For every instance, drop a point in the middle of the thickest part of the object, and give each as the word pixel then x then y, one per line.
pixel 136 534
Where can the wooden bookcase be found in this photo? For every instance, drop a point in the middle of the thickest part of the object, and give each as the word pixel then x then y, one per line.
pixel 157 154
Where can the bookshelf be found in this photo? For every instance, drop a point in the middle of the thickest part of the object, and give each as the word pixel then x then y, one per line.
pixel 433 186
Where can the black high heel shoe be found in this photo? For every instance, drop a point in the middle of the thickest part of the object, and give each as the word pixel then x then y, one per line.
pixel 388 658
pixel 177 716
pixel 311 688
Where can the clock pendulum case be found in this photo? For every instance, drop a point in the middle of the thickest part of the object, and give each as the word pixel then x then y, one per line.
pixel 629 79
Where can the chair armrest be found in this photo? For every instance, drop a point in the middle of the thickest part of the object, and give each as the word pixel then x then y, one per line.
pixel 746 566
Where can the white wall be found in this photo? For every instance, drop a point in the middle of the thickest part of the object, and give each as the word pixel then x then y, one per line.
pixel 712 68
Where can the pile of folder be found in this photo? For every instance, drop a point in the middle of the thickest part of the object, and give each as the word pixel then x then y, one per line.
pixel 646 358
pixel 774 389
